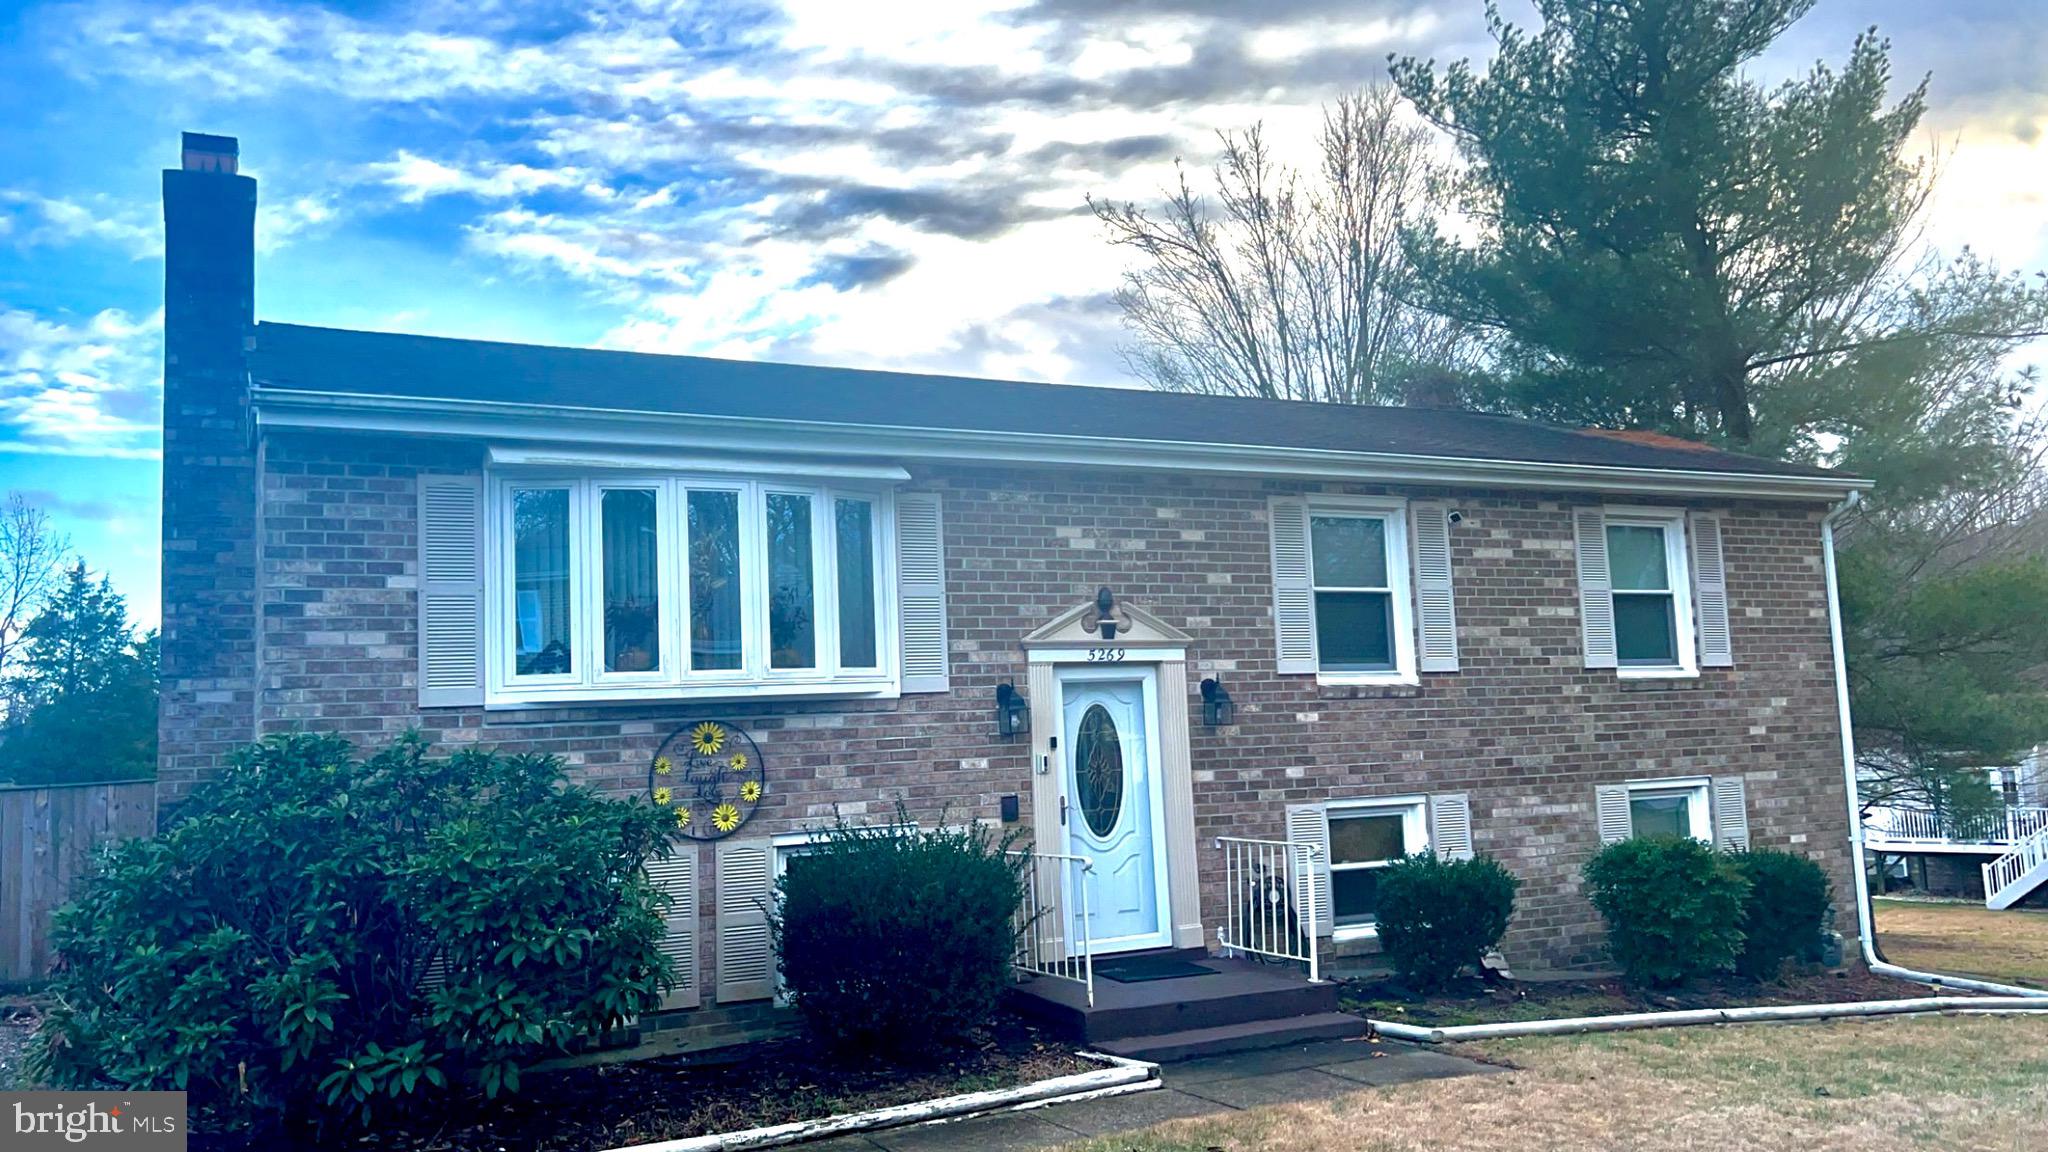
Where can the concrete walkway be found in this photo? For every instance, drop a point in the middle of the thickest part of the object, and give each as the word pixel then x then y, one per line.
pixel 1193 1088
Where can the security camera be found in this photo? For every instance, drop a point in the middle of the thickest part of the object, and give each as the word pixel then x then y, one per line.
pixel 1455 516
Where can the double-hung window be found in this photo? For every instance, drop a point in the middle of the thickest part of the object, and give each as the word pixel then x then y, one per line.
pixel 1364 837
pixel 1646 563
pixel 662 586
pixel 1358 564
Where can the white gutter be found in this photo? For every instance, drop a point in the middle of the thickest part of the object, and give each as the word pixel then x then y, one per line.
pixel 1926 1005
pixel 495 420
pixel 1866 931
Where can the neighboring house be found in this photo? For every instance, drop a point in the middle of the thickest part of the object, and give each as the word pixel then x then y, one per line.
pixel 1999 857
pixel 1434 630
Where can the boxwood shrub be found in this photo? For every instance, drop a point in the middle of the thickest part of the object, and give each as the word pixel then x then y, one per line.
pixel 1673 906
pixel 1790 901
pixel 318 941
pixel 1437 917
pixel 895 942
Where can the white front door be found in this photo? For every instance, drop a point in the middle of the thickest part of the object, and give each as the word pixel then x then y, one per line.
pixel 1111 805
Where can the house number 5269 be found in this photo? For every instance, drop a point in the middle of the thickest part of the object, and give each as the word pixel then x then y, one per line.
pixel 1106 655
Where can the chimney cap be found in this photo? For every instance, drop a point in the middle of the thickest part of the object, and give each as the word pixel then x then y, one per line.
pixel 207 153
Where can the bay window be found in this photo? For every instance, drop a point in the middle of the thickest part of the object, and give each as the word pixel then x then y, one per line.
pixel 667 586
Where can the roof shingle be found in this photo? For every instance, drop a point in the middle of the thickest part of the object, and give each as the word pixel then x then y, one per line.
pixel 370 364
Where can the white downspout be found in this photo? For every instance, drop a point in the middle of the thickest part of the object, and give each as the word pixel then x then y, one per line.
pixel 1865 929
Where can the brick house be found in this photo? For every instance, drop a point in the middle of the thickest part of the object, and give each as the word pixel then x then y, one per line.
pixel 1122 622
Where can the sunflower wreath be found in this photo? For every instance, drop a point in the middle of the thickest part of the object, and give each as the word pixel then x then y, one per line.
pixel 709 775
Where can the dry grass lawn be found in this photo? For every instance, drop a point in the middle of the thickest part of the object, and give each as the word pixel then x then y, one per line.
pixel 1965 939
pixel 1949 1083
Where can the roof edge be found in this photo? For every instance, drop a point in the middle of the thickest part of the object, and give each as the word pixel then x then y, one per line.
pixel 436 417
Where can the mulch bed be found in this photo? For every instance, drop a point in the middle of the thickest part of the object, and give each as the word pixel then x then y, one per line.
pixel 1471 1002
pixel 665 1098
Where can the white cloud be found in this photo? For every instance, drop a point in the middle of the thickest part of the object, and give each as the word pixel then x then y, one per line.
pixel 31 219
pixel 813 179
pixel 90 389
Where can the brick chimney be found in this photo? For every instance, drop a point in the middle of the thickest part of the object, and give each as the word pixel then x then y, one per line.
pixel 209 472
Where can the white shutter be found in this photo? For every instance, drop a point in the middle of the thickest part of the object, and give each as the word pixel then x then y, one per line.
pixel 1436 621
pixel 1307 824
pixel 1710 592
pixel 451 586
pixel 435 977
pixel 1616 824
pixel 1450 825
pixel 676 877
pixel 921 591
pixel 1731 814
pixel 746 951
pixel 1294 601
pixel 1596 588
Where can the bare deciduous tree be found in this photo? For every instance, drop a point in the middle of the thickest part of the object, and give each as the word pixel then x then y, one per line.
pixel 31 557
pixel 1295 290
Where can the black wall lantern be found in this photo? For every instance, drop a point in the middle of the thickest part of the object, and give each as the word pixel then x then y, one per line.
pixel 1013 712
pixel 1218 709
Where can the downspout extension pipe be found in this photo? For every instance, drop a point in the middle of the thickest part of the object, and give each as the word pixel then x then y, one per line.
pixel 1865 927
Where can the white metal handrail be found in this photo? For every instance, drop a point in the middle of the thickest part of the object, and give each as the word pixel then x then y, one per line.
pixel 2009 869
pixel 1922 826
pixel 1271 895
pixel 1053 933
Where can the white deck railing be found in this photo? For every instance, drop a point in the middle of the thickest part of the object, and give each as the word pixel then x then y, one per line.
pixel 1270 896
pixel 2003 877
pixel 1053 937
pixel 1919 826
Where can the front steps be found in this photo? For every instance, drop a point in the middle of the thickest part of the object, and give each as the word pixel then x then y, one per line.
pixel 1239 1006
pixel 1172 1046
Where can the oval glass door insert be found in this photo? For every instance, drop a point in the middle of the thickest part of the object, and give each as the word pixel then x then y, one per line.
pixel 1099 783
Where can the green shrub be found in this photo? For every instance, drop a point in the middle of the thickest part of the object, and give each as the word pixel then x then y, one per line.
pixel 1438 916
pixel 893 943
pixel 276 950
pixel 1673 907
pixel 1790 900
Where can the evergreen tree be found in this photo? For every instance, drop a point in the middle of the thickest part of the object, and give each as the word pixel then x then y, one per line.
pixel 1660 242
pixel 89 691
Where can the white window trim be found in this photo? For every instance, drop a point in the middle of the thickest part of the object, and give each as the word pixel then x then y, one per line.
pixel 673 679
pixel 1678 569
pixel 1414 811
pixel 1394 513
pixel 1697 789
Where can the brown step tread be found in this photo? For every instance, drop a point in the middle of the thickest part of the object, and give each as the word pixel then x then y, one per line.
pixel 1167 1047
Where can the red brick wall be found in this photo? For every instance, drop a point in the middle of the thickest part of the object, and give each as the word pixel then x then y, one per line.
pixel 1523 728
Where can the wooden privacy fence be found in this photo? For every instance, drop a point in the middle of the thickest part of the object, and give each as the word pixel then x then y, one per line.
pixel 47 836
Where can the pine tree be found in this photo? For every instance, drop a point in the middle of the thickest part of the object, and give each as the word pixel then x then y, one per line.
pixel 88 688
pixel 1660 242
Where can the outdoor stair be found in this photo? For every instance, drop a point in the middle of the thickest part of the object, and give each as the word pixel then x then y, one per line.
pixel 1240 1006
pixel 2008 879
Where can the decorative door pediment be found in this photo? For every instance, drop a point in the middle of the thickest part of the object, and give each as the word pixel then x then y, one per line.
pixel 1079 627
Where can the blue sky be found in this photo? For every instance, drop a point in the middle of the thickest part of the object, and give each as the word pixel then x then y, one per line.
pixel 892 184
